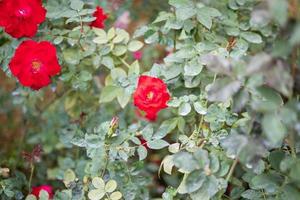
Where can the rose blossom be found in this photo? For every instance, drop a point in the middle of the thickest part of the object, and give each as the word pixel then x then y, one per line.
pixel 151 96
pixel 20 18
pixel 34 63
pixel 100 18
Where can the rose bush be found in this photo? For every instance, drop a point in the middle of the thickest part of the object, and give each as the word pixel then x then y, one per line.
pixel 201 102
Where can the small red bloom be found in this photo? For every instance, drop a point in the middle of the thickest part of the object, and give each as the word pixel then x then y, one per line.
pixel 100 18
pixel 20 18
pixel 151 96
pixel 34 63
pixel 36 190
pixel 137 55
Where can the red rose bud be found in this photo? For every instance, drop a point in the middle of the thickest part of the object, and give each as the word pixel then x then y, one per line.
pixel 21 18
pixel 151 96
pixel 114 123
pixel 100 18
pixel 36 190
pixel 34 64
pixel 138 55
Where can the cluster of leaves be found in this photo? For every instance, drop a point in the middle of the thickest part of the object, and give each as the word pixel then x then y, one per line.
pixel 232 126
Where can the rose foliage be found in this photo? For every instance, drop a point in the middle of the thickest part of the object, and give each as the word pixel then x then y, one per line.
pixel 209 88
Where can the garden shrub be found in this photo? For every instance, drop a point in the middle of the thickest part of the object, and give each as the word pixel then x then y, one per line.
pixel 216 118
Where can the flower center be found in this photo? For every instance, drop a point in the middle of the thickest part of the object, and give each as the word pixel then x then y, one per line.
pixel 23 12
pixel 150 95
pixel 36 66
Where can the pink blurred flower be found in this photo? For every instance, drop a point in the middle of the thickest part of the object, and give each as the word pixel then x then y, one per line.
pixel 138 55
pixel 36 190
pixel 123 20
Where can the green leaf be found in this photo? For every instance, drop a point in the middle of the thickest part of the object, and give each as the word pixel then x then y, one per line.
pixel 109 92
pixel 118 73
pixel 174 148
pixel 200 108
pixel 100 33
pixel 185 162
pixel 43 195
pixel 85 76
pixel 134 68
pixel 192 69
pixel 273 128
pixel 185 12
pixel 111 33
pixel 295 38
pixel 123 98
pixel 252 194
pixel 162 16
pixel 108 62
pixel 116 195
pixel 69 176
pixel 119 50
pixel 76 4
pixel 166 127
pixel 121 37
pixel 252 37
pixel 111 186
pixel 100 40
pixel 147 132
pixel 184 109
pixel 204 19
pixel 96 194
pixel 157 144
pixel 58 40
pixel 290 193
pixel 135 45
pixel 98 183
pixel 222 90
pixel 208 189
pixel 205 16
pixel 279 10
pixel 268 182
pixel 142 152
pixel 30 197
pixel 193 182
pixel 178 3
pixel 167 164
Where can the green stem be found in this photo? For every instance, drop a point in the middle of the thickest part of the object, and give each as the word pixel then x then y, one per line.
pixel 106 162
pixel 232 168
pixel 292 145
pixel 182 182
pixel 124 62
pixel 31 175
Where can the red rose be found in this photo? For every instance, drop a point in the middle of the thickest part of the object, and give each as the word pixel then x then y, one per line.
pixel 34 63
pixel 151 96
pixel 36 190
pixel 21 18
pixel 100 18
